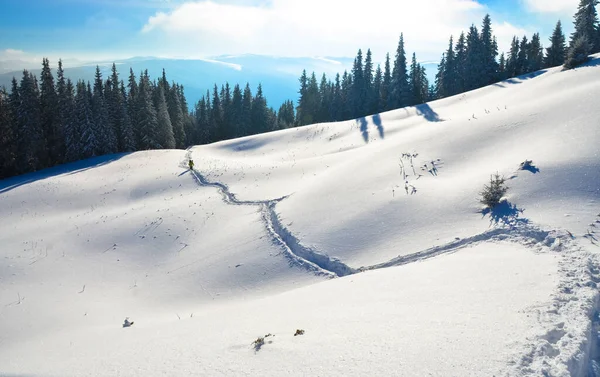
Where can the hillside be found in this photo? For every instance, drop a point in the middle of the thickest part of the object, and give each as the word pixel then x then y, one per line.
pixel 366 234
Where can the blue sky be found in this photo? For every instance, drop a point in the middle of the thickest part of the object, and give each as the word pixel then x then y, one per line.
pixel 112 29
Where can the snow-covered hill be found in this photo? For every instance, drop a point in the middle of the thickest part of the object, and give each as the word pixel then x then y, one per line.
pixel 368 235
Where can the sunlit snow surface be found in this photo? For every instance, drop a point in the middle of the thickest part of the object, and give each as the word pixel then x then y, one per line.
pixel 247 245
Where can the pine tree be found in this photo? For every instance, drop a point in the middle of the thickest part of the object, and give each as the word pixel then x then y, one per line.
pixel 202 123
pixel 285 115
pixel 359 88
pixel 164 136
pixel 346 89
pixel 127 141
pixel 49 117
pixel 535 54
pixel 386 86
pixel 441 82
pixel 376 93
pixel 325 100
pixel 474 61
pixel 371 99
pixel 66 104
pixel 216 116
pixel 189 123
pixel 8 140
pixel 89 144
pixel 107 141
pixel 586 25
pixel 302 109
pixel 489 53
pixel 450 73
pixel 522 62
pixel 112 95
pixel 132 101
pixel 31 148
pixel 459 82
pixel 400 90
pixel 226 105
pixel 146 117
pixel 259 113
pixel 70 120
pixel 236 111
pixel 337 103
pixel 512 68
pixel 176 116
pixel 247 99
pixel 578 52
pixel 414 78
pixel 502 68
pixel 556 53
pixel 424 95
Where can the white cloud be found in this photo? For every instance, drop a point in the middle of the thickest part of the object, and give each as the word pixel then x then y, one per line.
pixel 566 7
pixel 312 27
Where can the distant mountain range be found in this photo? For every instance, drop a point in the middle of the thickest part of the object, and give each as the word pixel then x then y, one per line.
pixel 278 75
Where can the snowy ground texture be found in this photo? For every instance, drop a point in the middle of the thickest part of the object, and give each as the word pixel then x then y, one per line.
pixel 367 234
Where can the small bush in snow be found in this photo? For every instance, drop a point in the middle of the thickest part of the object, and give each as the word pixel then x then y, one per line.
pixel 493 193
pixel 299 332
pixel 260 341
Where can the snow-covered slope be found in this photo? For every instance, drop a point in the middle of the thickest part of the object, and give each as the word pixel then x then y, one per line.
pixel 426 283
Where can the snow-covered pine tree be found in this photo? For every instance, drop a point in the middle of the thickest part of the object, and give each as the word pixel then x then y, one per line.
pixel 165 136
pixel 107 141
pixel 177 117
pixel 146 117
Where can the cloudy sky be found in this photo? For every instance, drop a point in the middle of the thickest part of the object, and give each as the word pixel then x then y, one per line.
pixel 114 29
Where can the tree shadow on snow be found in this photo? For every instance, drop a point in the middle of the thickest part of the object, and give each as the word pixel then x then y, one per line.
pixel 427 112
pixel 505 213
pixel 364 126
pixel 246 144
pixel 11 183
pixel 377 122
pixel 520 79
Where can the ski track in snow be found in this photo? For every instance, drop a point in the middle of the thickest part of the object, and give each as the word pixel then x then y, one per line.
pixel 565 349
pixel 298 254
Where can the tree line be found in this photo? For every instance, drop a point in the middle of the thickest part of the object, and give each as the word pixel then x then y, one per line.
pixel 45 123
pixel 229 114
pixel 470 62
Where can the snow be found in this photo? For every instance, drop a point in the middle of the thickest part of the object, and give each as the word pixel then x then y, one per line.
pixel 390 270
